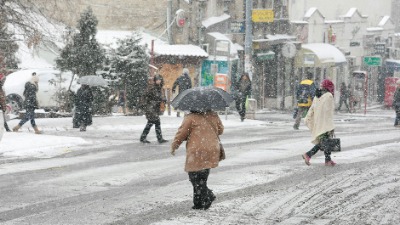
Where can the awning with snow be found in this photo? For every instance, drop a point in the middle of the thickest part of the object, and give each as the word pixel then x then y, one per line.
pixel 319 55
pixel 179 50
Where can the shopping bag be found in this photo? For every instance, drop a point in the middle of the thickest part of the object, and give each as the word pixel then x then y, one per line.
pixel 222 155
pixel 332 143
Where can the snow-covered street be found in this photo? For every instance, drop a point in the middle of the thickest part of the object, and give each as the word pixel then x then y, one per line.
pixel 106 176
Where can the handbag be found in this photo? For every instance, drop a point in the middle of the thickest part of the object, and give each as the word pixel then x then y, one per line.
pixel 332 143
pixel 222 155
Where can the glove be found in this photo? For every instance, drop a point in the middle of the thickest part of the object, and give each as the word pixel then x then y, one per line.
pixel 172 151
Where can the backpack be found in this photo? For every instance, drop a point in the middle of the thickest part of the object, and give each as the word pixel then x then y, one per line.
pixel 303 93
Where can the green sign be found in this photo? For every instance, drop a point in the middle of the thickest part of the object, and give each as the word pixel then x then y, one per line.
pixel 266 56
pixel 372 60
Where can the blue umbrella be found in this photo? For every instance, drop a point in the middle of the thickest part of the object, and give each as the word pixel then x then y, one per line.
pixel 202 99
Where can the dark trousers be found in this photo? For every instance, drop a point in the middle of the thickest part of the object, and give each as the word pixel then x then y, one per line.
pixel 29 115
pixel 341 101
pixel 300 113
pixel 202 196
pixel 148 127
pixel 397 120
pixel 241 106
pixel 319 146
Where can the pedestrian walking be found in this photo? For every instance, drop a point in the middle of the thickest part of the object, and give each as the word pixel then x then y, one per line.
pixel 30 103
pixel 396 104
pixel 201 132
pixel 3 104
pixel 243 90
pixel 152 101
pixel 319 120
pixel 305 94
pixel 344 95
pixel 184 82
pixel 83 107
pixel 121 101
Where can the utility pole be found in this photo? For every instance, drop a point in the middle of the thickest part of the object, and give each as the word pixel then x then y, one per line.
pixel 248 38
pixel 169 11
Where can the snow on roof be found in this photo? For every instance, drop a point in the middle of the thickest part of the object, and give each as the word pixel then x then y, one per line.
pixel 384 21
pixel 298 22
pixel 310 12
pixel 326 52
pixel 219 36
pixel 351 12
pixel 238 47
pixel 393 61
pixel 214 20
pixel 279 37
pixel 179 50
pixel 110 37
pixel 372 29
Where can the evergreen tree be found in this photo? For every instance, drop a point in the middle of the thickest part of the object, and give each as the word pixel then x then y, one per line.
pixel 83 55
pixel 131 64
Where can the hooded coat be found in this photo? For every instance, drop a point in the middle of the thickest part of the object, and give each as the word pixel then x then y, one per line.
pixel 319 118
pixel 200 130
pixel 184 82
pixel 30 90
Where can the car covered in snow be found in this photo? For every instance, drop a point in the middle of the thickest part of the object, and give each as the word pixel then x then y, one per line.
pixel 52 85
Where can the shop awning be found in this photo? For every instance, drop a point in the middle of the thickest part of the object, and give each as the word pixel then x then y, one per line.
pixel 320 55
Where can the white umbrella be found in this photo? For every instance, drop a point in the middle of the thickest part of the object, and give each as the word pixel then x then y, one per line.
pixel 92 80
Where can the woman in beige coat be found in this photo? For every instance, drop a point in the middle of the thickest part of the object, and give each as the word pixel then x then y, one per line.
pixel 200 130
pixel 319 120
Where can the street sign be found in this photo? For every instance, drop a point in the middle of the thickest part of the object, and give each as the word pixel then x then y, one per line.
pixel 266 55
pixel 237 27
pixel 372 60
pixel 262 15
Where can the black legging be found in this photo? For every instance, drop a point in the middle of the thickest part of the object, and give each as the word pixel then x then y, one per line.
pixel 202 196
pixel 319 146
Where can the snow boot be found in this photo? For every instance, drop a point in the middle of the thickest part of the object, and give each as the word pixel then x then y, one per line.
pixel 306 159
pixel 16 128
pixel 330 163
pixel 37 131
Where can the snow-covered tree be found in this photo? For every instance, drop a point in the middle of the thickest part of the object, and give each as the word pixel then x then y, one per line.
pixel 131 64
pixel 8 48
pixel 83 55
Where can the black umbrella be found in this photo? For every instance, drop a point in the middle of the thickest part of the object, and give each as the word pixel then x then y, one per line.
pixel 202 99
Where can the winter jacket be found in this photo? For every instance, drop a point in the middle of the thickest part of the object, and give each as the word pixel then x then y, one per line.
pixel 184 82
pixel 305 93
pixel 83 106
pixel 200 130
pixel 243 88
pixel 30 96
pixel 396 100
pixel 319 118
pixel 152 101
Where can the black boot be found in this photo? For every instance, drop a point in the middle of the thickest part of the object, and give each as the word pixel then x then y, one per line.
pixel 146 132
pixel 158 133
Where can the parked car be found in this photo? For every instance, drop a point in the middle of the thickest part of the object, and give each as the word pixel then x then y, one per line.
pixel 51 83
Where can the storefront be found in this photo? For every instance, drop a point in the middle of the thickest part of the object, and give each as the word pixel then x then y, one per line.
pixel 324 61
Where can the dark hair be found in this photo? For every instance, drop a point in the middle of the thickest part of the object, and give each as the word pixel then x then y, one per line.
pixel 309 75
pixel 159 77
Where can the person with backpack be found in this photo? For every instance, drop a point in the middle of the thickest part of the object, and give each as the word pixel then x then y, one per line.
pixel 305 94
